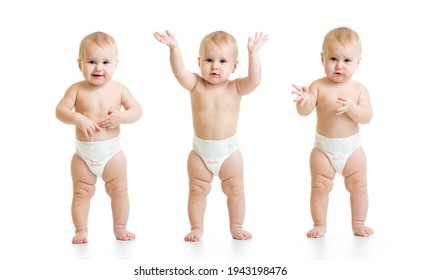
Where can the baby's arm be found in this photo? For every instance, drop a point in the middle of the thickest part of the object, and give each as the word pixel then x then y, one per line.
pixel 360 112
pixel 65 113
pixel 132 111
pixel 248 84
pixel 186 78
pixel 306 100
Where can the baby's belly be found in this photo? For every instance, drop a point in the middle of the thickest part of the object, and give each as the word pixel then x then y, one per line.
pixel 337 131
pixel 101 135
pixel 216 131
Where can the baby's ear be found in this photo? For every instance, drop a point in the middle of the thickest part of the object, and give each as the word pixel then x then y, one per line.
pixel 235 65
pixel 198 60
pixel 79 64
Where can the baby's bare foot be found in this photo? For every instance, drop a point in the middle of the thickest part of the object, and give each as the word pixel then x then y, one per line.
pixel 362 230
pixel 81 237
pixel 124 235
pixel 194 236
pixel 316 232
pixel 240 234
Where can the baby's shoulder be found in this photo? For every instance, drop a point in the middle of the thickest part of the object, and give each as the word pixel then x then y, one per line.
pixel 355 87
pixel 318 85
pixel 77 85
pixel 320 82
pixel 360 86
pixel 74 88
pixel 114 86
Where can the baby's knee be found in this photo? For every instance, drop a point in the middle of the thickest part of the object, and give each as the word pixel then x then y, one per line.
pixel 234 188
pixel 324 186
pixel 116 188
pixel 83 191
pixel 118 192
pixel 200 190
pixel 356 185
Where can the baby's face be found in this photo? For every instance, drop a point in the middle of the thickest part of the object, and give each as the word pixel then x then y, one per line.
pixel 98 64
pixel 341 61
pixel 217 63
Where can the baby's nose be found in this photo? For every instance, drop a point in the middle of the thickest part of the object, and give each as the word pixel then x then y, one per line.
pixel 97 67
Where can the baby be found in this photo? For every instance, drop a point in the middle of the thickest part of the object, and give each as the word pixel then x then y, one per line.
pixel 94 107
pixel 215 102
pixel 341 105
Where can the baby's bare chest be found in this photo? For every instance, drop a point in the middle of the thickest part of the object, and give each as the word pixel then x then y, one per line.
pixel 97 103
pixel 215 101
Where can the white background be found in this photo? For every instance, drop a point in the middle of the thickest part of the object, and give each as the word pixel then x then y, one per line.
pixel 39 48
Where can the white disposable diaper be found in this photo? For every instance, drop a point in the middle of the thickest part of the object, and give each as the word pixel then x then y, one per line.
pixel 97 154
pixel 338 150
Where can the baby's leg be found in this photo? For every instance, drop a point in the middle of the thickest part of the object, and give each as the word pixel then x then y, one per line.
pixel 356 183
pixel 322 175
pixel 115 178
pixel 200 179
pixel 83 190
pixel 231 175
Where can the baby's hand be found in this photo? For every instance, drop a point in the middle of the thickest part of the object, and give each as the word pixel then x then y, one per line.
pixel 347 105
pixel 303 94
pixel 259 40
pixel 87 126
pixel 168 39
pixel 113 120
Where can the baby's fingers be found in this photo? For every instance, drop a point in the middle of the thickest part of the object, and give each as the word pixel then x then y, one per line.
pixel 300 89
pixel 298 98
pixel 299 93
pixel 340 110
pixel 96 127
pixel 86 134
pixel 342 100
pixel 260 36
pixel 296 87
pixel 259 39
pixel 302 99
pixel 159 36
pixel 90 131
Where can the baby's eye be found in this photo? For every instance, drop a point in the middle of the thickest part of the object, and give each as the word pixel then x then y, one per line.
pixel 223 61
pixel 333 59
pixel 106 62
pixel 91 62
pixel 208 60
pixel 347 60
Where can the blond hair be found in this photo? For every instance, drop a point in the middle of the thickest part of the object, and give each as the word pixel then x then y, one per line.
pixel 220 38
pixel 100 39
pixel 342 35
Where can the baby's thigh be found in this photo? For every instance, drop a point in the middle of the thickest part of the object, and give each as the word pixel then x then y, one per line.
pixel 356 164
pixel 232 166
pixel 81 175
pixel 197 170
pixel 320 167
pixel 116 168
